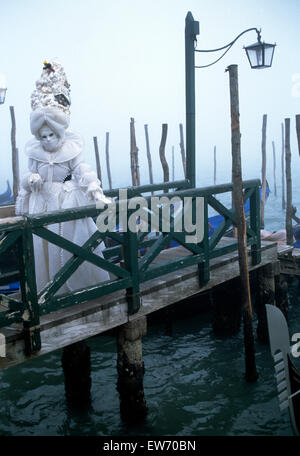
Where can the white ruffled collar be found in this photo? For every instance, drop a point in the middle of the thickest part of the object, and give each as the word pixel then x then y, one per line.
pixel 71 147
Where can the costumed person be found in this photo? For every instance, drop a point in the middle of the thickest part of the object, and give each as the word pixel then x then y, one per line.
pixel 58 178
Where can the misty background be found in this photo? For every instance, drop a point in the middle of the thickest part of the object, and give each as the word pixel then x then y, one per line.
pixel 125 58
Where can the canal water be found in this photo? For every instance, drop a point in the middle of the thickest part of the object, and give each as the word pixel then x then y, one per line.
pixel 194 383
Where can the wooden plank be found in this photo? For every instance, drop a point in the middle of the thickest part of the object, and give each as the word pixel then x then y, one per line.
pixel 7 211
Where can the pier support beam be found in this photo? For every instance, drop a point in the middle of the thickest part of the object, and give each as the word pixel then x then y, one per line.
pixel 227 309
pixel 266 295
pixel 76 364
pixel 130 367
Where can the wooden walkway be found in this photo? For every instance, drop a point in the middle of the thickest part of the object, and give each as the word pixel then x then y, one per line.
pixel 79 322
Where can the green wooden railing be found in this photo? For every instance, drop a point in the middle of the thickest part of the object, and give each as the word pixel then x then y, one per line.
pixel 130 259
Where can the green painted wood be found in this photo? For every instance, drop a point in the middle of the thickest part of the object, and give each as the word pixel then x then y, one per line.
pixel 83 295
pixel 131 265
pixel 9 277
pixel 12 224
pixel 255 225
pixel 8 240
pixel 167 267
pixel 29 295
pixel 82 253
pixel 154 251
pixel 203 266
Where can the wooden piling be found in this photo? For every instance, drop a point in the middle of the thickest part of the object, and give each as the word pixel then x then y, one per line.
pixel 107 160
pixel 215 165
pixel 289 209
pixel 251 373
pixel 162 155
pixel 173 164
pixel 282 168
pixel 182 148
pixel 131 370
pixel 265 295
pixel 263 171
pixel 148 155
pixel 298 131
pixel 274 168
pixel 134 165
pixel 76 364
pixel 97 156
pixel 15 155
pixel 226 313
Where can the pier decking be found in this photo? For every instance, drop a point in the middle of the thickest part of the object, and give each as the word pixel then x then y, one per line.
pixel 81 321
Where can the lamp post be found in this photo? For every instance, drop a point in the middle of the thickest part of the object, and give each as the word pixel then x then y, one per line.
pixel 260 55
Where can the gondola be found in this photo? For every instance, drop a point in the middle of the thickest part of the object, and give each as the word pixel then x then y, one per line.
pixel 7 196
pixel 287 376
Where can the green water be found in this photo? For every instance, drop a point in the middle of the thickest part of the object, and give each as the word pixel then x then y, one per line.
pixel 194 385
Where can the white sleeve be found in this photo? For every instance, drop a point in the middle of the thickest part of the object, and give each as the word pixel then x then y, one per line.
pixel 84 174
pixel 32 166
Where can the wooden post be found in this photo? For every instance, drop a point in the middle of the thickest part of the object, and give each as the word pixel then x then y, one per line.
pixel 15 156
pixel 97 156
pixel 182 150
pixel 289 209
pixel 226 314
pixel 298 130
pixel 282 167
pixel 131 370
pixel 215 165
pixel 107 160
pixel 76 364
pixel 173 165
pixel 263 171
pixel 274 168
pixel 148 155
pixel 251 373
pixel 132 152
pixel 265 295
pixel 162 155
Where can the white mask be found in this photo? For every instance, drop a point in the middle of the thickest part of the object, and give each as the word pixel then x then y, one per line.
pixel 48 139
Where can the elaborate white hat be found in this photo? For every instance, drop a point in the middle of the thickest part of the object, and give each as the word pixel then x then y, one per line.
pixel 52 89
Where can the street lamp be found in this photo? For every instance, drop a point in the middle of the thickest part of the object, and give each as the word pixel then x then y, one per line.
pixel 260 55
pixel 3 89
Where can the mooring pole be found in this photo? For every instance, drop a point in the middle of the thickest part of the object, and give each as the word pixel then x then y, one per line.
pixel 251 373
pixel 76 366
pixel 282 167
pixel 191 32
pixel 289 209
pixel 263 171
pixel 130 367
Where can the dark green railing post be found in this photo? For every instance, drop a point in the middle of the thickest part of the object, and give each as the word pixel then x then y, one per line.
pixel 191 31
pixel 31 317
pixel 203 267
pixel 255 226
pixel 131 265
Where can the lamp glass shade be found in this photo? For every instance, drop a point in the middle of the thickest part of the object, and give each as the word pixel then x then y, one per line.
pixel 2 94
pixel 260 55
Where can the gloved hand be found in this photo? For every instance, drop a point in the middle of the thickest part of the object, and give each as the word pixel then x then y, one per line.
pixel 95 193
pixel 35 182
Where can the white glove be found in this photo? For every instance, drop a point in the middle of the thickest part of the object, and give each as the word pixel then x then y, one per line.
pixel 35 182
pixel 99 196
pixel 95 193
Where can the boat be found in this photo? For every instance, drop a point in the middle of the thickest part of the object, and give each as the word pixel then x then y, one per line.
pixel 7 196
pixel 287 375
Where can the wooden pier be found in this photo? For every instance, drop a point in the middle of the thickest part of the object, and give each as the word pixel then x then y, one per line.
pixel 81 321
pixel 148 272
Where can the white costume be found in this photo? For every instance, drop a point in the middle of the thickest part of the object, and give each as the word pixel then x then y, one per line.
pixel 45 188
